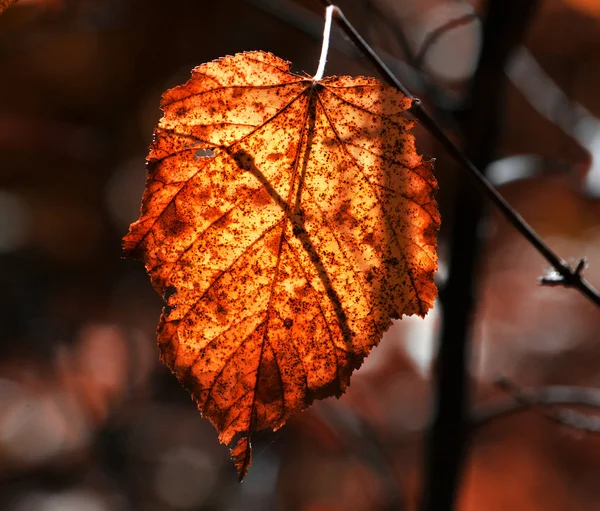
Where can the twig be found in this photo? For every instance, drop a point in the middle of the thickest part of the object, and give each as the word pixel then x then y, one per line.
pixel 553 278
pixel 434 35
pixel 571 278
pixel 442 105
pixel 430 91
pixel 527 399
pixel 311 24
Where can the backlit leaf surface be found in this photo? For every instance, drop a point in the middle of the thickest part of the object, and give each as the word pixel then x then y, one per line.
pixel 285 222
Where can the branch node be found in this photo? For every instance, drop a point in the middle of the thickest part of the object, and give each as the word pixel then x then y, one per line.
pixel 564 276
pixel 581 265
pixel 552 278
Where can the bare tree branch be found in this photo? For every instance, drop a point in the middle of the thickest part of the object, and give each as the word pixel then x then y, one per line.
pixel 523 71
pixel 434 36
pixel 553 278
pixel 571 278
pixel 527 399
pixel 429 89
pixel 312 24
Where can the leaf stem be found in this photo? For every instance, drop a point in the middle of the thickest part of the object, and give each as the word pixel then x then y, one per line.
pixel 325 48
pixel 571 277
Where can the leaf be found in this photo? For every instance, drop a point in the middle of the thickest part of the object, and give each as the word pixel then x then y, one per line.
pixel 284 222
pixel 5 4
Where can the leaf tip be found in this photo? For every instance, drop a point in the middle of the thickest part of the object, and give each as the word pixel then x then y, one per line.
pixel 241 456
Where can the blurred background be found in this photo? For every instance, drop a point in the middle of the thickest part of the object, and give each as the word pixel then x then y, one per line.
pixel 90 420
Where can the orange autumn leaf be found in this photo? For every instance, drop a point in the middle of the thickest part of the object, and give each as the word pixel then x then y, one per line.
pixel 285 222
pixel 5 4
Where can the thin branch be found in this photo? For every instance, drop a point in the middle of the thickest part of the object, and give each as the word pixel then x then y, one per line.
pixel 433 36
pixel 571 278
pixel 430 91
pixel 311 24
pixel 553 278
pixel 527 399
pixel 441 103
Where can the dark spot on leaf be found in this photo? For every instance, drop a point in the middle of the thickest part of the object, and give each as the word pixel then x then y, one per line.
pixel 269 387
pixel 292 150
pixel 274 157
pixel 288 323
pixel 273 245
pixel 203 193
pixel 344 216
pixel 171 221
pixel 369 239
pixel 394 261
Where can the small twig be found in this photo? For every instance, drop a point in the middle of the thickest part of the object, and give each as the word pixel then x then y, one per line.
pixel 297 16
pixel 434 36
pixel 369 53
pixel 430 90
pixel 553 278
pixel 571 278
pixel 528 399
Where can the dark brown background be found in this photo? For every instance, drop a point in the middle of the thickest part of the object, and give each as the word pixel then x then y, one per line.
pixel 90 420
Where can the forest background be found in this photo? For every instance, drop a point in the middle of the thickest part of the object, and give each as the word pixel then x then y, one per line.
pixel 90 419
